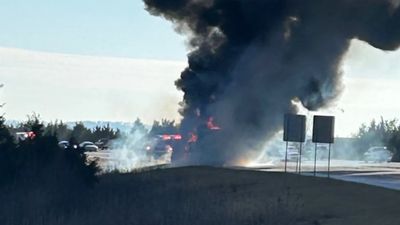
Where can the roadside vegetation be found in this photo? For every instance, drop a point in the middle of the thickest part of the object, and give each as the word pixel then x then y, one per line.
pixel 36 173
pixel 202 195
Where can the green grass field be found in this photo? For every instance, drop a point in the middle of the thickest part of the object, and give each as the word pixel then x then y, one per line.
pixel 203 195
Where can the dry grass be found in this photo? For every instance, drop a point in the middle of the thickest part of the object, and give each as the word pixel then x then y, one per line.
pixel 203 195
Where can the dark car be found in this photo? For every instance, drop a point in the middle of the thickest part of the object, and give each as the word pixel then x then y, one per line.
pixel 161 146
pixel 63 144
pixel 103 143
pixel 89 146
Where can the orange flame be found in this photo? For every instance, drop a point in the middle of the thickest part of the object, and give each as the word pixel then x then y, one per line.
pixel 211 125
pixel 193 137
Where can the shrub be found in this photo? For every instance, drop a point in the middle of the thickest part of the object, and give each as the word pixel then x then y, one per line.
pixel 40 160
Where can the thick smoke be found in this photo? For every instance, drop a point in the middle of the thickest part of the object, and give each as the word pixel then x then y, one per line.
pixel 251 58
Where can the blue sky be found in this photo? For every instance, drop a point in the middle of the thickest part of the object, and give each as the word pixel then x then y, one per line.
pixel 120 28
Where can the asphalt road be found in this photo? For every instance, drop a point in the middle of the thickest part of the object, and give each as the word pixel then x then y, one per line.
pixel 124 161
pixel 385 175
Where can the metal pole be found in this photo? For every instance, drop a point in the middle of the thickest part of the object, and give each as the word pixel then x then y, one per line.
pixel 286 157
pixel 297 163
pixel 315 160
pixel 301 147
pixel 329 161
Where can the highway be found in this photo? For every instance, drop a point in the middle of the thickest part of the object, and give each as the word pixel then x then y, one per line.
pixel 124 161
pixel 385 175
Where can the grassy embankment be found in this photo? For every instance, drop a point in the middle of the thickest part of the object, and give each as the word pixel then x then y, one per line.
pixel 203 195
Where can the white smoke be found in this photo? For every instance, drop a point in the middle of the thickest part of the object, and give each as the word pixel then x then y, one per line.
pixel 128 153
pixel 273 151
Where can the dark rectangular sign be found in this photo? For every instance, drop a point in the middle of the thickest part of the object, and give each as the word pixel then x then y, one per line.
pixel 294 128
pixel 323 129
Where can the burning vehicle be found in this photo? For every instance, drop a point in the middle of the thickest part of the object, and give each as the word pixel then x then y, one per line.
pixel 196 143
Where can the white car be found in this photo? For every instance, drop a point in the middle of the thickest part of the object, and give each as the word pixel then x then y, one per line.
pixel 378 154
pixel 322 152
pixel 292 154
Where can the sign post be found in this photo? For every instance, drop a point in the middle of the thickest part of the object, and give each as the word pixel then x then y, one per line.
pixel 323 132
pixel 294 131
pixel 315 160
pixel 301 148
pixel 287 143
pixel 329 161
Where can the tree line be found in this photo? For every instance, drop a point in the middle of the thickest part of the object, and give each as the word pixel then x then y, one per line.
pixel 80 133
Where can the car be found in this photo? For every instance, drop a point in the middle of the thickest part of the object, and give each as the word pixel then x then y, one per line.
pixel 161 146
pixel 378 154
pixel 83 144
pixel 63 144
pixel 292 154
pixel 89 146
pixel 322 152
pixel 103 143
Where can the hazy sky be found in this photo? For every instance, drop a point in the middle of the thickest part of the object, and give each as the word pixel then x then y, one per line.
pixel 110 60
pixel 73 87
pixel 119 28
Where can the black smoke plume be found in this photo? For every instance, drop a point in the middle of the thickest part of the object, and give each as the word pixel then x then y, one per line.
pixel 250 58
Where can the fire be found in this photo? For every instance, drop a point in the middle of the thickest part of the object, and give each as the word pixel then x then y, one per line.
pixel 211 125
pixel 193 138
pixel 31 135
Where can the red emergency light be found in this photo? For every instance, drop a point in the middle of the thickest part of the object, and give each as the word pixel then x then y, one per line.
pixel 177 137
pixel 166 137
pixel 171 137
